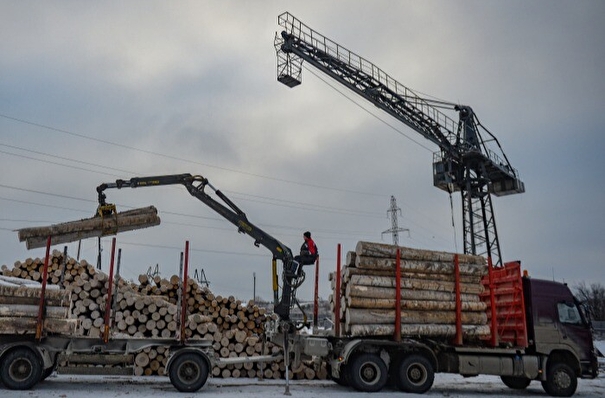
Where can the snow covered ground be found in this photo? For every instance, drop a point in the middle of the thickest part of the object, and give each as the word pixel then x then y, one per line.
pixel 446 385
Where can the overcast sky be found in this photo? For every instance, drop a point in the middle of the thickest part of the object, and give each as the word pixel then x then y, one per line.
pixel 95 91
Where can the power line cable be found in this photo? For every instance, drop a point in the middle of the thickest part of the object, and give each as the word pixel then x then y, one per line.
pixel 339 233
pixel 367 110
pixel 183 159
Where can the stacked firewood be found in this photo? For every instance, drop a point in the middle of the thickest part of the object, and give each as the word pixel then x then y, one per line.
pixel 150 309
pixel 428 305
pixel 226 312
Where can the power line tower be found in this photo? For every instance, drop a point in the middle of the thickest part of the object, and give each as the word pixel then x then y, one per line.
pixel 152 272
pixel 394 231
pixel 200 277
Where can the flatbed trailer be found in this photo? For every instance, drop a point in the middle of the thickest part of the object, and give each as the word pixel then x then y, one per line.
pixel 29 356
pixel 27 361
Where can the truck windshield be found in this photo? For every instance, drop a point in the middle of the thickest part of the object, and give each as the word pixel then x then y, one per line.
pixel 569 313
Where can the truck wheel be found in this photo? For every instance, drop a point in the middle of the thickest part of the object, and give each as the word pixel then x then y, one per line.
pixel 416 374
pixel 516 383
pixel 368 373
pixel 21 369
pixel 47 372
pixel 344 378
pixel 188 372
pixel 561 380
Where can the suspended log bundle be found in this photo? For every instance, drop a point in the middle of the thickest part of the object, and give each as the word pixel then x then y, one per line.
pixel 150 308
pixel 428 292
pixel 90 227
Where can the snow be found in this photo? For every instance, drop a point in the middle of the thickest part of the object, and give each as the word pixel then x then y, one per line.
pixel 446 385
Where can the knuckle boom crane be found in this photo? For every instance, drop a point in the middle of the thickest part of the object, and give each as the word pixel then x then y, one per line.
pixel 465 162
pixel 292 273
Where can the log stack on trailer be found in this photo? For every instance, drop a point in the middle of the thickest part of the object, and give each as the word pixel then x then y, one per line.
pixel 19 305
pixel 149 308
pixel 427 292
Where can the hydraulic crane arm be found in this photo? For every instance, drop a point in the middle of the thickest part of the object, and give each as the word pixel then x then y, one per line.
pixel 292 276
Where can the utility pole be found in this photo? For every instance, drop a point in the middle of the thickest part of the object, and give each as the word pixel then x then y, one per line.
pixel 254 288
pixel 394 210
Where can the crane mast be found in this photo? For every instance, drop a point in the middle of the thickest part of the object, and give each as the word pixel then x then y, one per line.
pixel 470 159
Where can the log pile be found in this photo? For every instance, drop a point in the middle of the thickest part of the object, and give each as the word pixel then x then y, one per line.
pixel 367 304
pixel 149 309
pixel 19 306
pixel 90 227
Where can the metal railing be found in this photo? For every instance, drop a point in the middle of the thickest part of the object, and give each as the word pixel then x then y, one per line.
pixel 304 33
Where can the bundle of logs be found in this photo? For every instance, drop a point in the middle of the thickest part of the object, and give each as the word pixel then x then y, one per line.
pixel 20 302
pixel 90 227
pixel 428 305
pixel 149 309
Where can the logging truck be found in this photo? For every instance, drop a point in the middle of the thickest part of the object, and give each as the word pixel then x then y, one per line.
pixel 430 312
pixel 536 330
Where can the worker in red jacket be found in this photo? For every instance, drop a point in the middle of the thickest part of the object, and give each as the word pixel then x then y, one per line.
pixel 308 251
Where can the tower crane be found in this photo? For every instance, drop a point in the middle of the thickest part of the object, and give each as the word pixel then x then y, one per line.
pixel 470 159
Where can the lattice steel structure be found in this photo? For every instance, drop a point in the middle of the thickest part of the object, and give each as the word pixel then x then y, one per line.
pixel 467 161
pixel 394 211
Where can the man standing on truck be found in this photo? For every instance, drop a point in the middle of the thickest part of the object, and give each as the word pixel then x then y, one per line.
pixel 308 252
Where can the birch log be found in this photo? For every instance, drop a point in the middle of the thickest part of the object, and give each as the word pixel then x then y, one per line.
pixel 90 227
pixel 27 325
pixel 408 294
pixel 422 305
pixel 349 271
pixel 28 310
pixel 413 284
pixel 356 316
pixel 423 266
pixel 418 330
pixel 390 251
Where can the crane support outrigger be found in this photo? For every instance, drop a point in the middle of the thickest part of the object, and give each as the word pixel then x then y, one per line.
pixel 292 273
pixel 464 163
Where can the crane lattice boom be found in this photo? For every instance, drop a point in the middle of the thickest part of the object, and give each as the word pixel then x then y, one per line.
pixel 470 159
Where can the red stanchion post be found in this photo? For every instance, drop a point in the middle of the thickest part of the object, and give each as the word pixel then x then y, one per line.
pixel 316 295
pixel 398 296
pixel 40 321
pixel 184 292
pixel 458 337
pixel 109 292
pixel 337 295
pixel 492 303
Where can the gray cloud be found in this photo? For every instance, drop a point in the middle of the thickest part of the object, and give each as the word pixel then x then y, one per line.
pixel 125 89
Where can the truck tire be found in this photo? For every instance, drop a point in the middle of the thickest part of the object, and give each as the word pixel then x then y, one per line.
pixel 561 380
pixel 344 378
pixel 415 374
pixel 188 372
pixel 46 373
pixel 516 383
pixel 21 369
pixel 368 373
